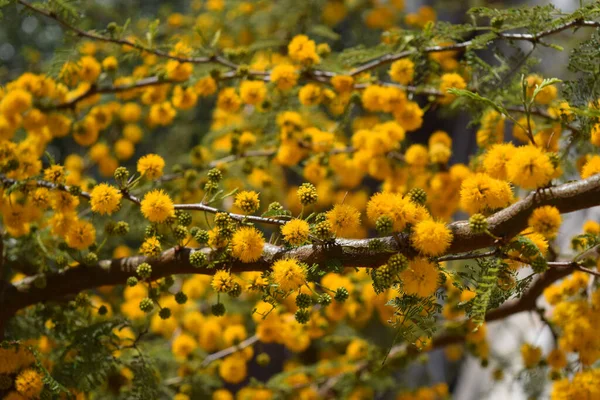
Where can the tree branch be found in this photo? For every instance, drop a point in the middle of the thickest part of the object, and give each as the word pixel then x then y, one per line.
pixel 349 252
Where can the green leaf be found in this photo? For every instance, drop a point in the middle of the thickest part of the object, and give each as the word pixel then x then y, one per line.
pixel 324 31
pixel 477 98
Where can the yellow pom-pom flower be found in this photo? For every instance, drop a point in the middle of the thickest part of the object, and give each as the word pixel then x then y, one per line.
pixel 344 220
pixel 80 235
pixel 431 238
pixel 151 166
pixel 288 274
pixel 402 71
pixel 233 369
pixel 295 232
pixel 253 92
pixel 29 383
pixel 183 345
pixel 157 206
pixel 247 201
pixel 247 244
pixel 284 76
pixel 545 220
pixel 529 167
pixel 303 50
pixel 420 278
pixel 495 159
pixel 480 192
pixel 105 199
pixel 591 167
pixel 222 281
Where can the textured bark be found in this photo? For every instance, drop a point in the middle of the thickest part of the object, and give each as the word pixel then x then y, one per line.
pixel 353 253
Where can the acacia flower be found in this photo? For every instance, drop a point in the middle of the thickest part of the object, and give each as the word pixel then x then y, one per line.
pixel 529 167
pixel 545 220
pixel 105 199
pixel 80 235
pixel 420 278
pixel 431 238
pixel 344 219
pixel 295 232
pixel 288 274
pixel 151 166
pixel 247 201
pixel 247 244
pixel 157 206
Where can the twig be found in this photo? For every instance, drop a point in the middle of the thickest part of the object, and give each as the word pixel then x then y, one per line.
pixel 228 351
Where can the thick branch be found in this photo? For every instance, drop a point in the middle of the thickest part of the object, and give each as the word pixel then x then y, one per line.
pixel 353 253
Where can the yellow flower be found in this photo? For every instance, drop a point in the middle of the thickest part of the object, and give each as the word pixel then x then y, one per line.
pixel 417 156
pixel 133 133
pixel 29 383
pixel 80 235
pixel 157 206
pixel 344 220
pixel 13 359
pixel 228 100
pixel 284 76
pixel 481 192
pixel 110 63
pixel 431 238
pixel 89 69
pixel 178 71
pixel 357 350
pixel 85 132
pixel 233 369
pixel 151 247
pixel 342 83
pixel 449 81
pixel 545 220
pixel 557 359
pixel 130 112
pixel 595 135
pixel 184 99
pixel 222 281
pixel 205 86
pixel 124 149
pixel 410 117
pixel 247 201
pixel 529 167
pixel 151 166
pixel 288 274
pixel 420 278
pixel 162 113
pixel 402 71
pixel 531 355
pixel 295 232
pixel 183 345
pixel 105 199
pixel 15 102
pixel 222 394
pixel 303 50
pixel 591 167
pixel 310 94
pixel 546 95
pixel 55 174
pixel 495 159
pixel 247 244
pixel 234 334
pixel 253 92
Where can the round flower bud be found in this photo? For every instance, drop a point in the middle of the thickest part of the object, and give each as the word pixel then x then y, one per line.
pixel 263 359
pixel 275 206
pixel 302 316
pixel 197 259
pixel 324 299
pixel 150 231
pixel 180 232
pixel 218 309
pixel 384 224
pixel 222 220
pixel 167 282
pixel 132 281
pixel 183 218
pixel 478 223
pixel 90 259
pixel 121 176
pixel 539 265
pixel 164 313
pixel 181 298
pixel 211 187
pixel 303 300
pixel 215 175
pixel 375 244
pixel 323 230
pixel 397 263
pixel 144 270
pixel 307 194
pixel 121 228
pixel 201 236
pixel 146 305
pixel 235 291
pixel 417 196
pixel 82 300
pixel 341 294
pixel 74 190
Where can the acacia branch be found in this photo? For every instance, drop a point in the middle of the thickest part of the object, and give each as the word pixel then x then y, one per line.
pixel 228 351
pixel 504 224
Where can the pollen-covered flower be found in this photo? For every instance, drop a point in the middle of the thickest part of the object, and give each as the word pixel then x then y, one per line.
pixel 450 81
pixel 545 220
pixel 285 76
pixel 591 167
pixel 288 274
pixel 247 201
pixel 410 117
pixel 495 159
pixel 531 355
pixel 157 206
pixel 183 345
pixel 151 247
pixel 105 199
pixel 481 192
pixel 402 71
pixel 233 368
pixel 431 238
pixel 420 278
pixel 222 281
pixel 295 232
pixel 529 167
pixel 544 96
pixel 89 69
pixel 303 50
pixel 247 244
pixel 29 383
pixel 15 102
pixel 151 166
pixel 253 92
pixel 342 83
pixel 344 220
pixel 55 174
pixel 205 86
pixel 80 235
pixel 228 100
pixel 310 94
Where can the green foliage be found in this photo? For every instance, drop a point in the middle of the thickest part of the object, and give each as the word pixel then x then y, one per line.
pixel 486 284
